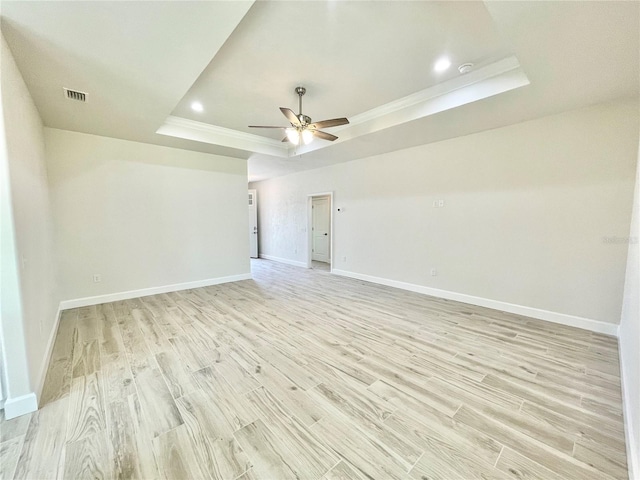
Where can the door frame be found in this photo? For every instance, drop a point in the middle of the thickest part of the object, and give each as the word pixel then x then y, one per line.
pixel 310 226
pixel 255 205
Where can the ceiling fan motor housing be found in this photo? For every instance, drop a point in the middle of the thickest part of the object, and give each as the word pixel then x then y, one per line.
pixel 304 120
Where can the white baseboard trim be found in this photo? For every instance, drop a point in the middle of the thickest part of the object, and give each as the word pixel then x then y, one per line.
pixel 48 353
pixel 633 450
pixel 14 407
pixel 143 292
pixel 564 319
pixel 284 260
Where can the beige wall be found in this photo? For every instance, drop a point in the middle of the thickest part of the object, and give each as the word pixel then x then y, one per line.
pixel 143 216
pixel 29 297
pixel 526 208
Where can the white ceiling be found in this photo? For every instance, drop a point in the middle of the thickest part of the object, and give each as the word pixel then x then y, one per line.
pixel 143 63
pixel 135 59
pixel 351 57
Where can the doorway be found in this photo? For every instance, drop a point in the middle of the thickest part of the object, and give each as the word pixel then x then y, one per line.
pixel 253 224
pixel 320 241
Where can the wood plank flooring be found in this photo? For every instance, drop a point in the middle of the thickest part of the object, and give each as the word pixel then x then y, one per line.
pixel 301 374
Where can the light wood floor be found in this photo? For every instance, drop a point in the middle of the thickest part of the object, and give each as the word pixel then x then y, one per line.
pixel 303 374
pixel 323 266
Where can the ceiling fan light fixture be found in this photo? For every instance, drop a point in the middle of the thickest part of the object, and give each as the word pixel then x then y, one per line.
pixel 293 135
pixel 307 136
pixel 302 129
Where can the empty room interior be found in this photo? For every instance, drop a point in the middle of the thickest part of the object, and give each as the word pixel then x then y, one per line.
pixel 320 240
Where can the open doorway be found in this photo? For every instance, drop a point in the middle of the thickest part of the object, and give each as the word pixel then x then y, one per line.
pixel 320 226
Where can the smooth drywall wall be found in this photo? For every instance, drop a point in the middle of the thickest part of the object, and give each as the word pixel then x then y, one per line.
pixel 629 338
pixel 143 216
pixel 529 218
pixel 29 297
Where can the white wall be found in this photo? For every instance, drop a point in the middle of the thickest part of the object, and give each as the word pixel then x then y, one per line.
pixel 29 297
pixel 526 209
pixel 629 339
pixel 143 216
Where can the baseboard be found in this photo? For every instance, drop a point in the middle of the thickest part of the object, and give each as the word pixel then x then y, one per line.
pixel 143 292
pixel 48 353
pixel 14 407
pixel 564 319
pixel 633 450
pixel 283 260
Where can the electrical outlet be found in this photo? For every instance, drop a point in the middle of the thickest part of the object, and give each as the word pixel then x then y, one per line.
pixel 97 278
pixel 344 258
pixel 434 272
pixel 440 203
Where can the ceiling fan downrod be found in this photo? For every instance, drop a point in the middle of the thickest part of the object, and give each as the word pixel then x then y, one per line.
pixel 304 120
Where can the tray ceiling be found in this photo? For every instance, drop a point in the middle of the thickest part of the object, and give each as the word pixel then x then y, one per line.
pixel 144 63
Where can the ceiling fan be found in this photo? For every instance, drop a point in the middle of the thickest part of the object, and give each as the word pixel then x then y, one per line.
pixel 301 126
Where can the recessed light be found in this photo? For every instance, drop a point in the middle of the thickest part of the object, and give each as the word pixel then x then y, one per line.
pixel 442 64
pixel 197 107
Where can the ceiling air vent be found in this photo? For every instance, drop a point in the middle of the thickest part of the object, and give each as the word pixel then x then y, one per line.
pixel 75 95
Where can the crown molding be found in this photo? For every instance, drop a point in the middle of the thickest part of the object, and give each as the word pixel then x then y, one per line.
pixel 488 71
pixel 493 79
pixel 204 132
pixel 498 77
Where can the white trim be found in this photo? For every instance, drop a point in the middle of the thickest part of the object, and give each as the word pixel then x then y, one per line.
pixel 493 79
pixel 48 353
pixel 633 455
pixel 489 71
pixel 295 263
pixel 143 292
pixel 213 134
pixel 310 198
pixel 253 215
pixel 14 407
pixel 564 319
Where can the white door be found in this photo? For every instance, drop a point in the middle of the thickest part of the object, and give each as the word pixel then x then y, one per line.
pixel 253 224
pixel 321 221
